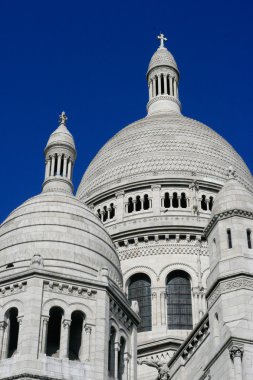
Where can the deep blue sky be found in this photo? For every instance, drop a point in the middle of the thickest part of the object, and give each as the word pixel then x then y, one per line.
pixel 90 60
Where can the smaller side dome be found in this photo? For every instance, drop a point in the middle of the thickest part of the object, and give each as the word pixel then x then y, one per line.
pixel 162 57
pixel 233 196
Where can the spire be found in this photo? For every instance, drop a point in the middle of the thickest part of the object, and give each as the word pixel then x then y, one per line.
pixel 163 78
pixel 60 154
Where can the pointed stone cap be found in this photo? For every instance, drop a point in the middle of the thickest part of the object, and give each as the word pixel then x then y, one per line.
pixel 162 57
pixel 233 196
pixel 61 136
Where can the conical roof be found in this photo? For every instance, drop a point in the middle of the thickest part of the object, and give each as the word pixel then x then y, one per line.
pixel 162 57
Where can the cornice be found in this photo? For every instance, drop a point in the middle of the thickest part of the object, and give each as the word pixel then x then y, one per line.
pixel 225 215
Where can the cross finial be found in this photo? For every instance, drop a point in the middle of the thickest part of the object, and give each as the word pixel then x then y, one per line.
pixel 162 38
pixel 63 118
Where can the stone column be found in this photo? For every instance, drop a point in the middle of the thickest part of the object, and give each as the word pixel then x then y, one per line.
pixel 119 214
pixel 47 172
pixel 53 165
pixel 159 84
pixel 153 87
pixel 236 354
pixel 69 169
pixel 86 343
pixel 126 366
pixel 116 352
pixel 165 84
pixel 3 325
pixel 171 88
pixel 65 166
pixel 45 321
pixel 163 308
pixel 154 308
pixel 19 343
pixel 156 199
pixel 58 171
pixel 175 87
pixel 64 341
pixel 150 89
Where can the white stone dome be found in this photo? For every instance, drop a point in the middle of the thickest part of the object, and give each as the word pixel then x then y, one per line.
pixel 161 147
pixel 61 230
pixel 162 57
pixel 233 196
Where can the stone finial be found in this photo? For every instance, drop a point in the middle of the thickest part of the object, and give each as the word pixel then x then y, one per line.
pixel 63 118
pixel 231 172
pixel 162 38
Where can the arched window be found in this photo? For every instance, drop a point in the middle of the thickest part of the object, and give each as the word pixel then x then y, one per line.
pixel 112 211
pixel 249 239
pixel 183 202
pixel 156 85
pixel 175 200
pixel 13 330
pixel 179 304
pixel 210 203
pixel 146 202
pixel 168 85
pixel 55 164
pixel 138 203
pixel 166 200
pixel 111 354
pixel 54 332
pixel 75 335
pixel 105 211
pixel 203 203
pixel 130 205
pixel 139 289
pixel 229 237
pixel 62 161
pixel 121 363
pixel 162 84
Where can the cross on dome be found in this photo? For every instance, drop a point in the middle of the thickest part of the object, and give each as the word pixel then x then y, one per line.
pixel 162 38
pixel 63 118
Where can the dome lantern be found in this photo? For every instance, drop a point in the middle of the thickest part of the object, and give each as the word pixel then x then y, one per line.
pixel 60 154
pixel 163 79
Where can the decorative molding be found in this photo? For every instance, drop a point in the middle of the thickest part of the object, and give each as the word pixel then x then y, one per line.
pixel 120 315
pixel 11 289
pixel 73 290
pixel 196 340
pixel 226 286
pixel 224 215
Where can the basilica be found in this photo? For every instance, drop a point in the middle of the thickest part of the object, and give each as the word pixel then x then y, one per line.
pixel 146 273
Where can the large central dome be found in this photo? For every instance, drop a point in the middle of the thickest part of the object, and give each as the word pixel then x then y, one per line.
pixel 162 146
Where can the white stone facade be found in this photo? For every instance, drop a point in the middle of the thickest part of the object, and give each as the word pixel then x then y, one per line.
pixel 162 216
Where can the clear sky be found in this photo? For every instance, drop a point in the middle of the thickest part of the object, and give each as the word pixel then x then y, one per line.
pixel 89 58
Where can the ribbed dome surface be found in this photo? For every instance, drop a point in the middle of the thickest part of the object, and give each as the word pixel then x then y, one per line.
pixel 164 146
pixel 162 57
pixel 61 136
pixel 233 196
pixel 64 232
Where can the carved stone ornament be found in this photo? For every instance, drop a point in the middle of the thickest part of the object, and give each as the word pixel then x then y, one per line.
pixel 37 261
pixel 161 366
pixel 236 352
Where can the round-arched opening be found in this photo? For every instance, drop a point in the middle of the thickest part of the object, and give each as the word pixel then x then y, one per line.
pixel 54 331
pixel 179 301
pixel 111 354
pixel 13 331
pixel 121 365
pixel 75 336
pixel 139 289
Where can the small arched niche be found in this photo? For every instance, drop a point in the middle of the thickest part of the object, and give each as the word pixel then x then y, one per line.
pixel 75 336
pixel 111 354
pixel 13 331
pixel 54 332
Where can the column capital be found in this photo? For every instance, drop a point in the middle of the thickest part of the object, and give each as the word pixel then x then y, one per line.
pixel 155 187
pixel 3 325
pixel 45 319
pixel 120 194
pixel 88 329
pixel 116 346
pixel 66 323
pixel 236 351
